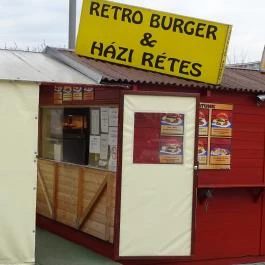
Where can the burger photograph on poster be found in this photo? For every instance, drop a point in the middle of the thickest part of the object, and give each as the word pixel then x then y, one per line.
pixel 172 123
pixel 221 124
pixel 202 151
pixel 203 121
pixel 171 150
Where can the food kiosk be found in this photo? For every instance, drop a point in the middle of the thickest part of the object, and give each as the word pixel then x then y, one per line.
pixel 21 74
pixel 187 183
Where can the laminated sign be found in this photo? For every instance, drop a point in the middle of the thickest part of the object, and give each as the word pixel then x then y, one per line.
pixel 152 40
pixel 215 136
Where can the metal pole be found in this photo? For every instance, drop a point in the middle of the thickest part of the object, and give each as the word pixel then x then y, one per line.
pixel 72 24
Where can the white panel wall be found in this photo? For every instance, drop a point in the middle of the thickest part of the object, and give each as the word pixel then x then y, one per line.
pixel 18 171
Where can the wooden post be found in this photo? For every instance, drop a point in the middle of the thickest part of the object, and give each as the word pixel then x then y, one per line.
pixel 55 189
pixel 45 191
pixel 92 203
pixel 108 207
pixel 80 195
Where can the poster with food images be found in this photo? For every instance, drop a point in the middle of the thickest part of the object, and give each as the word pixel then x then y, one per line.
pixel 220 151
pixel 77 93
pixel 215 131
pixel 221 122
pixel 72 94
pixel 58 95
pixel 202 150
pixel 88 93
pixel 172 124
pixel 171 150
pixel 203 122
pixel 67 93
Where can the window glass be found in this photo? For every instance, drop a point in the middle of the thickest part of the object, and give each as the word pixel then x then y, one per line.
pixel 85 136
pixel 52 134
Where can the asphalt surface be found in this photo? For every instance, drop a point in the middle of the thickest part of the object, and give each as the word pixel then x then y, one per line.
pixel 54 250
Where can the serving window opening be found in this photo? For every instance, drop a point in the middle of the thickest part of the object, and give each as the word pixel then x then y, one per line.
pixel 83 136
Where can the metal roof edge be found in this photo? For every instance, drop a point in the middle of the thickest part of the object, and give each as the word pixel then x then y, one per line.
pixel 55 54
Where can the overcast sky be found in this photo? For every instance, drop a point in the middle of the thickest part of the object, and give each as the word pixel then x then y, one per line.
pixel 35 23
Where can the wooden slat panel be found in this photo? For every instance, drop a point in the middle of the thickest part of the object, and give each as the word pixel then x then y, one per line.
pixel 96 217
pixel 44 194
pixel 75 192
pixel 90 206
pixel 66 218
pixel 96 226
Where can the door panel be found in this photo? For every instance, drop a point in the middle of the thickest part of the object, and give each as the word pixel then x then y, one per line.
pixel 157 175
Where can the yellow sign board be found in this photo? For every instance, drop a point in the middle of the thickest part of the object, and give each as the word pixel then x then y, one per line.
pixel 152 40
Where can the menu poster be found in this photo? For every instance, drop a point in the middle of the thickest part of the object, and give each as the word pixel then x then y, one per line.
pixel 113 136
pixel 67 93
pixel 104 144
pixel 221 123
pixel 215 131
pixel 88 93
pixel 77 93
pixel 94 121
pixel 203 121
pixel 72 94
pixel 172 124
pixel 220 151
pixel 102 163
pixel 202 151
pixel 171 150
pixel 94 144
pixel 58 95
pixel 112 165
pixel 58 152
pixel 113 116
pixel 94 150
pixel 104 120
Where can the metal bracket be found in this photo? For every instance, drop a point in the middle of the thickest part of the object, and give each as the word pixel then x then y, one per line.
pixel 256 193
pixel 204 194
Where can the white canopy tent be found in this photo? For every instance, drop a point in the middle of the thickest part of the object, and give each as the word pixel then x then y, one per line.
pixel 21 73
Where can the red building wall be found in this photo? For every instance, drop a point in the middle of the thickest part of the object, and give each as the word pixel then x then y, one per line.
pixel 229 225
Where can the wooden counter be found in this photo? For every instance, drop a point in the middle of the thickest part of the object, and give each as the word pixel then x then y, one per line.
pixel 77 196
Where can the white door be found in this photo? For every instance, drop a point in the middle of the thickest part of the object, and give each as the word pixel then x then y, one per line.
pixel 157 175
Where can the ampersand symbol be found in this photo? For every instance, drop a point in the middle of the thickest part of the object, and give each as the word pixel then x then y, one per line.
pixel 146 41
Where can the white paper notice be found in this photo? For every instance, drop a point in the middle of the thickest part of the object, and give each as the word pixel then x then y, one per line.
pixel 94 144
pixel 104 146
pixel 104 119
pixel 113 116
pixel 95 121
pixel 113 135
pixel 113 158
pixel 57 149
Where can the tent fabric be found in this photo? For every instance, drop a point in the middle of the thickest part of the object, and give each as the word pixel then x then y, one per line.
pixel 18 171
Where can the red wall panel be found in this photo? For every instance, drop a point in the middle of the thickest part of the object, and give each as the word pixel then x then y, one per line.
pixel 247 142
pixel 229 226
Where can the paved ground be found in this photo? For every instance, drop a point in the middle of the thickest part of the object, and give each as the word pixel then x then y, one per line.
pixel 259 263
pixel 54 250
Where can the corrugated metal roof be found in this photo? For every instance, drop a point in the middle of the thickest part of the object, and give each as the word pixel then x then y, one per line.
pixel 38 67
pixel 233 79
